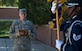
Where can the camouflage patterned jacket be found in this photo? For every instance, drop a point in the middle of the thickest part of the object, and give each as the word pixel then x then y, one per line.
pixel 21 43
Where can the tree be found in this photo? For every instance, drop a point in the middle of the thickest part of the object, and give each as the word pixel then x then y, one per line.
pixel 3 2
pixel 38 10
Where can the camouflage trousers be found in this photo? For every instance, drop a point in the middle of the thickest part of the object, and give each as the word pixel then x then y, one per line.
pixel 23 44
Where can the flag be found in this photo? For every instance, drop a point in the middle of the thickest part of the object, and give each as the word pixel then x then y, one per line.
pixel 63 1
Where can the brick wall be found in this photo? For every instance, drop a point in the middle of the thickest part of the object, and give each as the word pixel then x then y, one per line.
pixel 9 13
pixel 47 36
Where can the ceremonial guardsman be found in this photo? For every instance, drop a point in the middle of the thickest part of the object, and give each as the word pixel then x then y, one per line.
pixel 72 28
pixel 21 31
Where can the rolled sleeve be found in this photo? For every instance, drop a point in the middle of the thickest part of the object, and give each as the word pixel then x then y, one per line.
pixel 32 29
pixel 12 34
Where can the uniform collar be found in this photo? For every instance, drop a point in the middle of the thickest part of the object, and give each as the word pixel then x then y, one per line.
pixel 22 22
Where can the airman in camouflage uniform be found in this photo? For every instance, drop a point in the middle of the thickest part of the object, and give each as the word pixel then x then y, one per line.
pixel 21 43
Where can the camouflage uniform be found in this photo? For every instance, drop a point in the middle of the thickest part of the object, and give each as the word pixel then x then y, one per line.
pixel 21 43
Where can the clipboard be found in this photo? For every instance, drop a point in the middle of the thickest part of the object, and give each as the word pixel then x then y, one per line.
pixel 26 33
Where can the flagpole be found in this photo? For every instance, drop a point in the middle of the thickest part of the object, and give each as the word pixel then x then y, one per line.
pixel 57 21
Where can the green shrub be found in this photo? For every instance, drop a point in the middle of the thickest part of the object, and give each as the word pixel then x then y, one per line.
pixel 4 28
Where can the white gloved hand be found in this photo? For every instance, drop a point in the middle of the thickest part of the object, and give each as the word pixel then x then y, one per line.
pixel 53 8
pixel 58 44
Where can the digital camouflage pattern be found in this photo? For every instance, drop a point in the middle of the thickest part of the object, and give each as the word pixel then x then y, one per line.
pixel 21 43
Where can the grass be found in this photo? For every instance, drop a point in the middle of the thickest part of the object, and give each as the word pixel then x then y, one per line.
pixel 4 28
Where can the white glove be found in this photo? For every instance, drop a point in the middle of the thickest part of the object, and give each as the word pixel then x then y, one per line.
pixel 53 8
pixel 58 44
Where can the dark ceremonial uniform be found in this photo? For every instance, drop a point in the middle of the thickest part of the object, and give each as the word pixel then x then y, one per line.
pixel 73 34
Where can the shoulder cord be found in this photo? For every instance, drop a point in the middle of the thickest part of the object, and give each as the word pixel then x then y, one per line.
pixel 69 33
pixel 70 29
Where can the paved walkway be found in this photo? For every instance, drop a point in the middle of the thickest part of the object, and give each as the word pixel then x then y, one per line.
pixel 6 44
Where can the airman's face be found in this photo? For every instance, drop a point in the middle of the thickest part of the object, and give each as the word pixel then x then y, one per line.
pixel 72 11
pixel 22 16
pixel 69 11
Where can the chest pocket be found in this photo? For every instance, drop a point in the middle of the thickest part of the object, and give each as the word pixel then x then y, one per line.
pixel 26 27
pixel 17 27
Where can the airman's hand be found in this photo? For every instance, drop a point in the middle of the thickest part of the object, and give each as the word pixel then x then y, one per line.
pixel 19 33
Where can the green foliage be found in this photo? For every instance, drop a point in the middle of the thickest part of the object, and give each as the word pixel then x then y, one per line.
pixel 38 11
pixel 4 28
pixel 5 25
pixel 12 3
